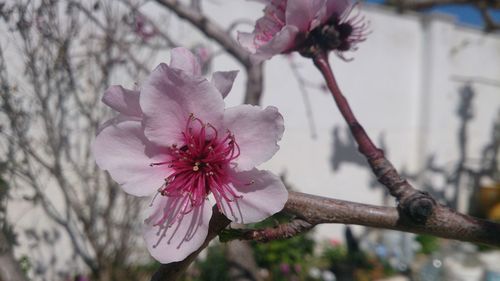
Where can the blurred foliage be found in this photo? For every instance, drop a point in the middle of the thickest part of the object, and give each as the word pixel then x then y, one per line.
pixel 295 259
pixel 429 244
pixel 25 264
pixel 213 267
pixel 5 227
pixel 286 259
pixel 357 265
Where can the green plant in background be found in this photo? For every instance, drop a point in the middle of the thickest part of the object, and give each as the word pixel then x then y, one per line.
pixel 284 259
pixel 429 244
pixel 213 267
pixel 349 264
pixel 5 227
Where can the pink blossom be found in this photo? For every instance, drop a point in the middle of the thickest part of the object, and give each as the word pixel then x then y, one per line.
pixel 174 140
pixel 143 27
pixel 287 25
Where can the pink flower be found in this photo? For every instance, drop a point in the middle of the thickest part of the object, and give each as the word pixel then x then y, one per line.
pixel 143 27
pixel 287 25
pixel 173 139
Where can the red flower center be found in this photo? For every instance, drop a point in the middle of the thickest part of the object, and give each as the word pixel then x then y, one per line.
pixel 200 166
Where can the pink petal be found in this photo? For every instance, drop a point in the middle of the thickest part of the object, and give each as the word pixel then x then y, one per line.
pixel 169 96
pixel 183 59
pixel 256 131
pixel 123 100
pixel 223 81
pixel 123 150
pixel 282 41
pixel 263 194
pixel 337 7
pixel 247 40
pixel 175 243
pixel 301 13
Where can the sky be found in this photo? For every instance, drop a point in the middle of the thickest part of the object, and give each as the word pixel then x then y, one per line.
pixel 465 14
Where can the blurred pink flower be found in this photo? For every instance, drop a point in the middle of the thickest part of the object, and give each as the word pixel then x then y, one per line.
pixel 287 25
pixel 285 268
pixel 143 27
pixel 334 242
pixel 286 22
pixel 173 139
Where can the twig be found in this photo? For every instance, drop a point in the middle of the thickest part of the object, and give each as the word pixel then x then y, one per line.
pixel 481 5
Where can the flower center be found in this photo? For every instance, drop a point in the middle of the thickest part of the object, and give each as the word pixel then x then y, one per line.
pixel 200 165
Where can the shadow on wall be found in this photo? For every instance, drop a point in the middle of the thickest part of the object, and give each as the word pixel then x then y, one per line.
pixel 345 151
pixel 444 182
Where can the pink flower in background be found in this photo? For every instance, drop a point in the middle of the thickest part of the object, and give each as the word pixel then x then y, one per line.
pixel 287 24
pixel 173 139
pixel 305 26
pixel 143 27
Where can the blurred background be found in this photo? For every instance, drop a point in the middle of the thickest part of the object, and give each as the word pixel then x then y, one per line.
pixel 425 85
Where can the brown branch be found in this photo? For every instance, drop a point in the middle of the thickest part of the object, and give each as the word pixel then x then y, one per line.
pixel 254 84
pixel 311 210
pixel 420 5
pixel 489 22
pixel 425 4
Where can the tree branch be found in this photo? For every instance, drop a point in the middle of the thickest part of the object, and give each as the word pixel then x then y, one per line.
pixel 311 210
pixel 482 6
pixel 444 222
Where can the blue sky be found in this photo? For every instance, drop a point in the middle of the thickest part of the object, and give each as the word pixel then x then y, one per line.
pixel 465 14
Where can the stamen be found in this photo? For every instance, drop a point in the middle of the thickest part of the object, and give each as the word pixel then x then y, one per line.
pixel 197 167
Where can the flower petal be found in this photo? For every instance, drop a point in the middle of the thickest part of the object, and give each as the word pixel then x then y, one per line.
pixel 337 7
pixel 247 40
pixel 256 131
pixel 169 96
pixel 183 59
pixel 123 100
pixel 263 194
pixel 123 150
pixel 281 42
pixel 223 81
pixel 183 237
pixel 301 13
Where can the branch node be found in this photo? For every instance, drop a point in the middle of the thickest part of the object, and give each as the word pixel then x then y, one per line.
pixel 418 207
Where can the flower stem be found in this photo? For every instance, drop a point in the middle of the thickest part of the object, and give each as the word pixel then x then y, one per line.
pixel 365 144
pixel 416 204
